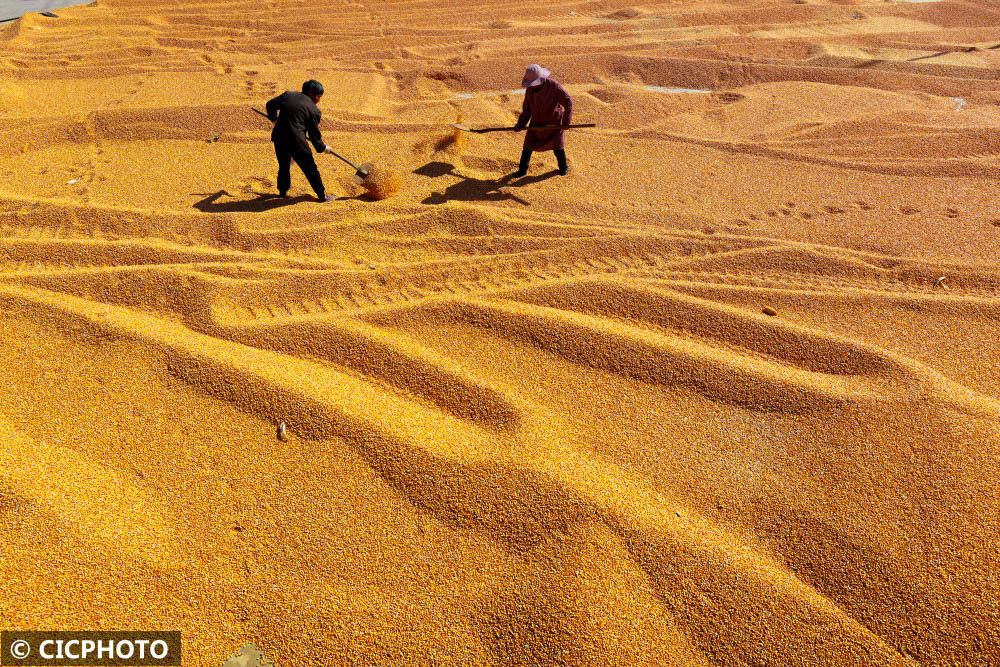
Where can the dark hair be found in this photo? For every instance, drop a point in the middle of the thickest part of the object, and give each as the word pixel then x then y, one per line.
pixel 312 87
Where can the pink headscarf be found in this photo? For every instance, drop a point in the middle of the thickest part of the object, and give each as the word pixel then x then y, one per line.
pixel 533 76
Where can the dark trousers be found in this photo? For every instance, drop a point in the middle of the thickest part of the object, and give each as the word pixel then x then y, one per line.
pixel 306 163
pixel 526 158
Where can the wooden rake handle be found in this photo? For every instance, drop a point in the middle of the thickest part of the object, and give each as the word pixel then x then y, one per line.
pixel 533 128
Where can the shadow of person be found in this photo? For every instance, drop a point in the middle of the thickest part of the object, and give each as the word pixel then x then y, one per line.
pixel 435 169
pixel 468 188
pixel 529 180
pixel 264 202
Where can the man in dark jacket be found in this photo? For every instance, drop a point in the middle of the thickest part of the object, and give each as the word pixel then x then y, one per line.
pixel 545 103
pixel 296 124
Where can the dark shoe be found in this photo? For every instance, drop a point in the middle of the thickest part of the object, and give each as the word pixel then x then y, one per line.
pixel 326 198
pixel 563 172
pixel 283 194
pixel 520 173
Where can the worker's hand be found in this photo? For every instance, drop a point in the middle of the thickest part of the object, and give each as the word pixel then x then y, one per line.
pixel 327 149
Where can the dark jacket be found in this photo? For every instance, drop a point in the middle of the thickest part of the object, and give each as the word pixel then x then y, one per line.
pixel 547 104
pixel 296 122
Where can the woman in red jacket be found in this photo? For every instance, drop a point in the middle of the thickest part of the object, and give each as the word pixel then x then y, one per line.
pixel 545 103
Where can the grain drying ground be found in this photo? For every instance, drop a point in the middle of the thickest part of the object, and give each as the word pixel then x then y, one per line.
pixel 725 394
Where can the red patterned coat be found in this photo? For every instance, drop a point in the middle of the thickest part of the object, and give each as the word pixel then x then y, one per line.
pixel 547 104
